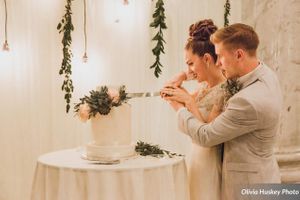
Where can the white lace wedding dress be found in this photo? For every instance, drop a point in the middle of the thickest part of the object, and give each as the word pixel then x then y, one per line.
pixel 204 164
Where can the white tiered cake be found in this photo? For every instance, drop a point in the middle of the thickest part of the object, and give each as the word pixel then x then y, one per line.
pixel 111 135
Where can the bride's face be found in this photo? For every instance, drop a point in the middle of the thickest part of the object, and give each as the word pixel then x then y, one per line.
pixel 196 65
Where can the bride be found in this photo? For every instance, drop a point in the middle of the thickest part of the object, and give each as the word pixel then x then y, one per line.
pixel 204 166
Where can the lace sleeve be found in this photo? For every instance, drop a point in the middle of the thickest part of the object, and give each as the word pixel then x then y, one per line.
pixel 219 100
pixel 202 87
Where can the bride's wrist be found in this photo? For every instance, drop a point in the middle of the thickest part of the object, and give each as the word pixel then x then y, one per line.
pixel 183 76
pixel 189 104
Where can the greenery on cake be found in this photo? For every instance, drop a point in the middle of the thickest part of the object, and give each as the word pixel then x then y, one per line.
pixel 100 101
pixel 146 149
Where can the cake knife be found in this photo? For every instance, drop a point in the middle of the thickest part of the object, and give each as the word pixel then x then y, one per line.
pixel 143 94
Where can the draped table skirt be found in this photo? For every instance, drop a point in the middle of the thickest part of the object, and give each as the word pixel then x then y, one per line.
pixel 64 175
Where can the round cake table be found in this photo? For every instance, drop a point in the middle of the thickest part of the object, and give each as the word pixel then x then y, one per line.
pixel 64 175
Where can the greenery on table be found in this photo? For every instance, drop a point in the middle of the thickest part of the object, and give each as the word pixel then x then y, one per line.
pixel 101 102
pixel 65 26
pixel 158 22
pixel 146 149
pixel 227 12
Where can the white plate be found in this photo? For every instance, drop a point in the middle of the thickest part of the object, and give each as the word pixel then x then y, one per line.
pixel 103 161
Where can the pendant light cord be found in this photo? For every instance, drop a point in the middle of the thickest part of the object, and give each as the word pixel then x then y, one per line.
pixel 85 35
pixel 5 6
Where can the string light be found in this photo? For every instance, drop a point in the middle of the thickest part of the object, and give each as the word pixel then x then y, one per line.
pixel 5 45
pixel 85 57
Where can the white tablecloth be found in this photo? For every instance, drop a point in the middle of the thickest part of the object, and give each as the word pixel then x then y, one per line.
pixel 64 175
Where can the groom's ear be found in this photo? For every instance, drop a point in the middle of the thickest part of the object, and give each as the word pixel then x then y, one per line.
pixel 240 53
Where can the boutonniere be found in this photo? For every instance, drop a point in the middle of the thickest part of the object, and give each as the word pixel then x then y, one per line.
pixel 231 87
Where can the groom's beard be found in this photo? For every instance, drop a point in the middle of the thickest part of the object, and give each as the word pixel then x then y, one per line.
pixel 224 73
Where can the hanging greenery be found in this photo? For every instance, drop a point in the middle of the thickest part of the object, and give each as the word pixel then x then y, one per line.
pixel 226 13
pixel 158 22
pixel 66 26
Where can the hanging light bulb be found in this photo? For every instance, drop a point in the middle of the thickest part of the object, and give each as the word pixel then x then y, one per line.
pixel 5 45
pixel 84 57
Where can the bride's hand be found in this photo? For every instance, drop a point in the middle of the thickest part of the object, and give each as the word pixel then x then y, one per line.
pixel 180 95
pixel 176 94
pixel 177 80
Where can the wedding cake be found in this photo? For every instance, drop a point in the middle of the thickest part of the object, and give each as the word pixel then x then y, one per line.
pixel 110 116
pixel 111 135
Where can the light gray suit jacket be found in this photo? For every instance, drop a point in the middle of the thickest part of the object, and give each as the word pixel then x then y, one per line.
pixel 248 128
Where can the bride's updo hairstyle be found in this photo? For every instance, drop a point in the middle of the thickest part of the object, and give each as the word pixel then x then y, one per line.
pixel 199 38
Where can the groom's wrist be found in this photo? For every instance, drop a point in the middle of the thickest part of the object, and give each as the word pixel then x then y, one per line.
pixel 180 110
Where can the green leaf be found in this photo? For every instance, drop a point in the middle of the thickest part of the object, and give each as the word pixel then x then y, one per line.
pixel 163 25
pixel 67 108
pixel 158 22
pixel 145 149
pixel 58 26
pixel 154 24
pixel 156 72
pixel 226 13
pixel 157 37
pixel 154 65
pixel 66 26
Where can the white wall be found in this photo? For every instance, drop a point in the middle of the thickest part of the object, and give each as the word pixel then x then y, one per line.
pixel 278 25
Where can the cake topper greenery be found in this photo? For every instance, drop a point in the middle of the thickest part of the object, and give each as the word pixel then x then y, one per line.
pixel 146 149
pixel 100 101
pixel 158 22
pixel 66 26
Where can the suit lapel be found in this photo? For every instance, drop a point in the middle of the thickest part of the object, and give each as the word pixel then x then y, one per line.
pixel 252 76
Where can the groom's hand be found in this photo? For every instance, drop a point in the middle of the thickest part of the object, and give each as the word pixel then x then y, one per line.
pixel 176 105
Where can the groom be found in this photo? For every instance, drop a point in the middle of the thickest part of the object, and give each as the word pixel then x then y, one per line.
pixel 249 124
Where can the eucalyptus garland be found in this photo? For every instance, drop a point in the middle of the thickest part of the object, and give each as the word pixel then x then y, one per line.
pixel 66 26
pixel 145 149
pixel 158 22
pixel 227 12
